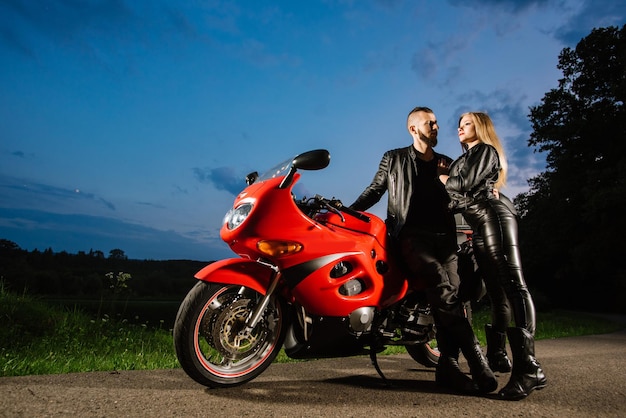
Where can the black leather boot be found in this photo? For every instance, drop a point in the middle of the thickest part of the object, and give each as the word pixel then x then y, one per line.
pixel 482 375
pixel 496 351
pixel 448 374
pixel 527 374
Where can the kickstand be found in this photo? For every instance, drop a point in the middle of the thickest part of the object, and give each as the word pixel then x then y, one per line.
pixel 377 367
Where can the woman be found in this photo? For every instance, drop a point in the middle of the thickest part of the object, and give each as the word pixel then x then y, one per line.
pixel 470 182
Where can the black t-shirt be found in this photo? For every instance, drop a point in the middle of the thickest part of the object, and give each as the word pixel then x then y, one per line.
pixel 429 202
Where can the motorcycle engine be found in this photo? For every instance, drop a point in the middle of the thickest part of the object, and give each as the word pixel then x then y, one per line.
pixel 361 319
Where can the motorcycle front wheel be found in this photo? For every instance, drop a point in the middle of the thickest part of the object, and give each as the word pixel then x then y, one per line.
pixel 210 337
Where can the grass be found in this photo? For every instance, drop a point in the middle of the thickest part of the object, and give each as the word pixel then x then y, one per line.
pixel 39 338
pixel 553 324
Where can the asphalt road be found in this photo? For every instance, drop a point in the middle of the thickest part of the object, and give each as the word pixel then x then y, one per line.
pixel 586 378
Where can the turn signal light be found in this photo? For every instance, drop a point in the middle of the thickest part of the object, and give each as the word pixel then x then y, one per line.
pixel 278 248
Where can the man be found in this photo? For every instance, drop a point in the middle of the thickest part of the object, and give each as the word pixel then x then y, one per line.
pixel 422 228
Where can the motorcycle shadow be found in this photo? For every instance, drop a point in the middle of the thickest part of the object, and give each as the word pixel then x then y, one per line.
pixel 336 382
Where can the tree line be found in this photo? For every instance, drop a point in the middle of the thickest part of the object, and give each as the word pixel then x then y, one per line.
pixel 92 274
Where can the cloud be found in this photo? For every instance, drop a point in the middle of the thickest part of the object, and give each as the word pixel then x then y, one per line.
pixel 503 16
pixel 34 229
pixel 592 15
pixel 10 38
pixel 511 6
pixel 424 63
pixel 22 193
pixel 61 21
pixel 258 53
pixel 225 178
pixel 107 31
pixel 501 104
pixel 435 57
pixel 389 4
pixel 19 154
pixel 222 178
pixel 151 205
pixel 583 16
pixel 101 31
pixel 106 203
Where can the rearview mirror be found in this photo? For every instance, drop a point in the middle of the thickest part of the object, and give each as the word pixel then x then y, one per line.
pixel 312 160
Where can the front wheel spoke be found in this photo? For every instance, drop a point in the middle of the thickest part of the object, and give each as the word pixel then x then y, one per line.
pixel 241 342
pixel 236 344
pixel 222 362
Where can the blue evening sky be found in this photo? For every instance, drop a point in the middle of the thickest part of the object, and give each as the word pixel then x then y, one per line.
pixel 131 124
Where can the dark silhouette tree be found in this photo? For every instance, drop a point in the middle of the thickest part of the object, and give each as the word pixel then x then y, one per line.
pixel 572 219
pixel 7 245
pixel 117 254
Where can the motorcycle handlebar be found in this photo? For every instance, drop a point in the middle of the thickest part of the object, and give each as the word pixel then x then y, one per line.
pixel 338 205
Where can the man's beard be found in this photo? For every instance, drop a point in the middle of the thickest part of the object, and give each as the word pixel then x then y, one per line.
pixel 431 142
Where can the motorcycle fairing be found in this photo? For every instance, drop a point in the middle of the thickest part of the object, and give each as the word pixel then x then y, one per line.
pixel 315 288
pixel 295 274
pixel 238 271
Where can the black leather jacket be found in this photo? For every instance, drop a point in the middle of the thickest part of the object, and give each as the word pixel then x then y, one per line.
pixel 472 176
pixel 395 176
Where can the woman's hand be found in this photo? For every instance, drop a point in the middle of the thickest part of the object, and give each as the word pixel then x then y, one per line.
pixel 443 168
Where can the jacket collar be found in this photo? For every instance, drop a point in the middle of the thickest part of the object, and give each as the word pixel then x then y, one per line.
pixel 413 153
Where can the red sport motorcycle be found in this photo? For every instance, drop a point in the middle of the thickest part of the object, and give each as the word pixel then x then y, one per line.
pixel 312 276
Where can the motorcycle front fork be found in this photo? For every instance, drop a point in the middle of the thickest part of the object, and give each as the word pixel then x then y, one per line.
pixel 257 314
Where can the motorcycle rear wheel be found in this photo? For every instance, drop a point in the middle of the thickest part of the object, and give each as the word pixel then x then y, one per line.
pixel 425 354
pixel 210 339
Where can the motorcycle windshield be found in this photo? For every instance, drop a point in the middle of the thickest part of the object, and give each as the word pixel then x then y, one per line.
pixel 277 171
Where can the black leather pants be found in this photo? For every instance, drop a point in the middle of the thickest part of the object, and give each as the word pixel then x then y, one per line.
pixel 497 253
pixel 432 257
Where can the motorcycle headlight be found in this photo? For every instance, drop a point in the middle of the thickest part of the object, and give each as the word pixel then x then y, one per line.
pixel 236 216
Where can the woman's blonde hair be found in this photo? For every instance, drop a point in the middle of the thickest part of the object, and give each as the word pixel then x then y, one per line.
pixel 486 133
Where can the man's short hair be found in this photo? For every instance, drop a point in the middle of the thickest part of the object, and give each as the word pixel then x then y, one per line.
pixel 421 109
